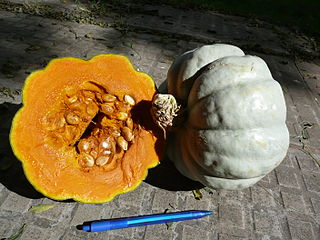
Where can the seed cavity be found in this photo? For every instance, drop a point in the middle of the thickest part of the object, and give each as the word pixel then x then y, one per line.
pixel 97 123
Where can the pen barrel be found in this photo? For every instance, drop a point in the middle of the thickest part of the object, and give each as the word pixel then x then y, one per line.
pixel 144 220
pixel 108 225
pixel 162 218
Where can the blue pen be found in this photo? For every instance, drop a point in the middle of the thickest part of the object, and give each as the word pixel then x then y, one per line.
pixel 97 226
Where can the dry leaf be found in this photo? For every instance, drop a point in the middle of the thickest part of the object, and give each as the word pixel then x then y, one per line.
pixel 197 194
pixel 17 234
pixel 168 224
pixel 208 190
pixel 41 208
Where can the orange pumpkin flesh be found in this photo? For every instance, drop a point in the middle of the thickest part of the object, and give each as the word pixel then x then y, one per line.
pixel 53 164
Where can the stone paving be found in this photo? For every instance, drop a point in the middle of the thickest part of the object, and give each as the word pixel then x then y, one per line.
pixel 283 205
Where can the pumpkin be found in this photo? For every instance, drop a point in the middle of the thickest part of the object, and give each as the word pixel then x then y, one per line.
pixel 233 129
pixel 84 131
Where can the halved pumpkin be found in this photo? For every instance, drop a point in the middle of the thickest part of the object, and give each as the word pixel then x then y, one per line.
pixel 85 131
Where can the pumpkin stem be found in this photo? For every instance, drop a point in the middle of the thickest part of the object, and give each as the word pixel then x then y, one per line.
pixel 164 109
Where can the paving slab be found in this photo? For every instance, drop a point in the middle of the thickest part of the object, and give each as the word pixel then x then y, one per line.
pixel 283 205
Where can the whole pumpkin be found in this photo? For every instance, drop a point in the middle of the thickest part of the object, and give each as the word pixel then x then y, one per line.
pixel 84 131
pixel 234 132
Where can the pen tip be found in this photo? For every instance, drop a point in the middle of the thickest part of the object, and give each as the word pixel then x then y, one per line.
pixel 205 213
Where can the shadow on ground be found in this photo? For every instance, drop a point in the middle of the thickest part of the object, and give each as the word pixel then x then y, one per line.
pixel 167 177
pixel 26 47
pixel 11 171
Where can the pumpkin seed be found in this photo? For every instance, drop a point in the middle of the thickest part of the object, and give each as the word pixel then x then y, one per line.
pixel 72 118
pixel 72 99
pixel 104 121
pixel 99 147
pixel 58 122
pixel 70 91
pixel 107 108
pixel 127 134
pixel 96 131
pixel 93 142
pixel 77 106
pixel 91 87
pixel 108 97
pixel 89 95
pixel 84 145
pixel 102 160
pixel 116 133
pixel 56 139
pixel 92 109
pixel 88 100
pixel 129 123
pixel 122 143
pixel 70 133
pixel 94 153
pixel 128 99
pixel 54 121
pixel 86 160
pixel 122 106
pixel 106 152
pixel 121 116
pixel 105 144
pixel 87 144
pixel 113 145
pixel 99 96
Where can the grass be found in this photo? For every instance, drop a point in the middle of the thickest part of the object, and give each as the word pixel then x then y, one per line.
pixel 299 14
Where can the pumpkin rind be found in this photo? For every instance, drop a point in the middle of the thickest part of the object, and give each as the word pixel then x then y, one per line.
pixel 53 170
pixel 183 70
pixel 235 132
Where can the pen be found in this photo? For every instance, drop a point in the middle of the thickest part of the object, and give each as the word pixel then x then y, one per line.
pixel 103 225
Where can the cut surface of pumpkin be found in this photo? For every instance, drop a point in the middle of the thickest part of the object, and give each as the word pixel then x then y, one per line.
pixel 85 131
